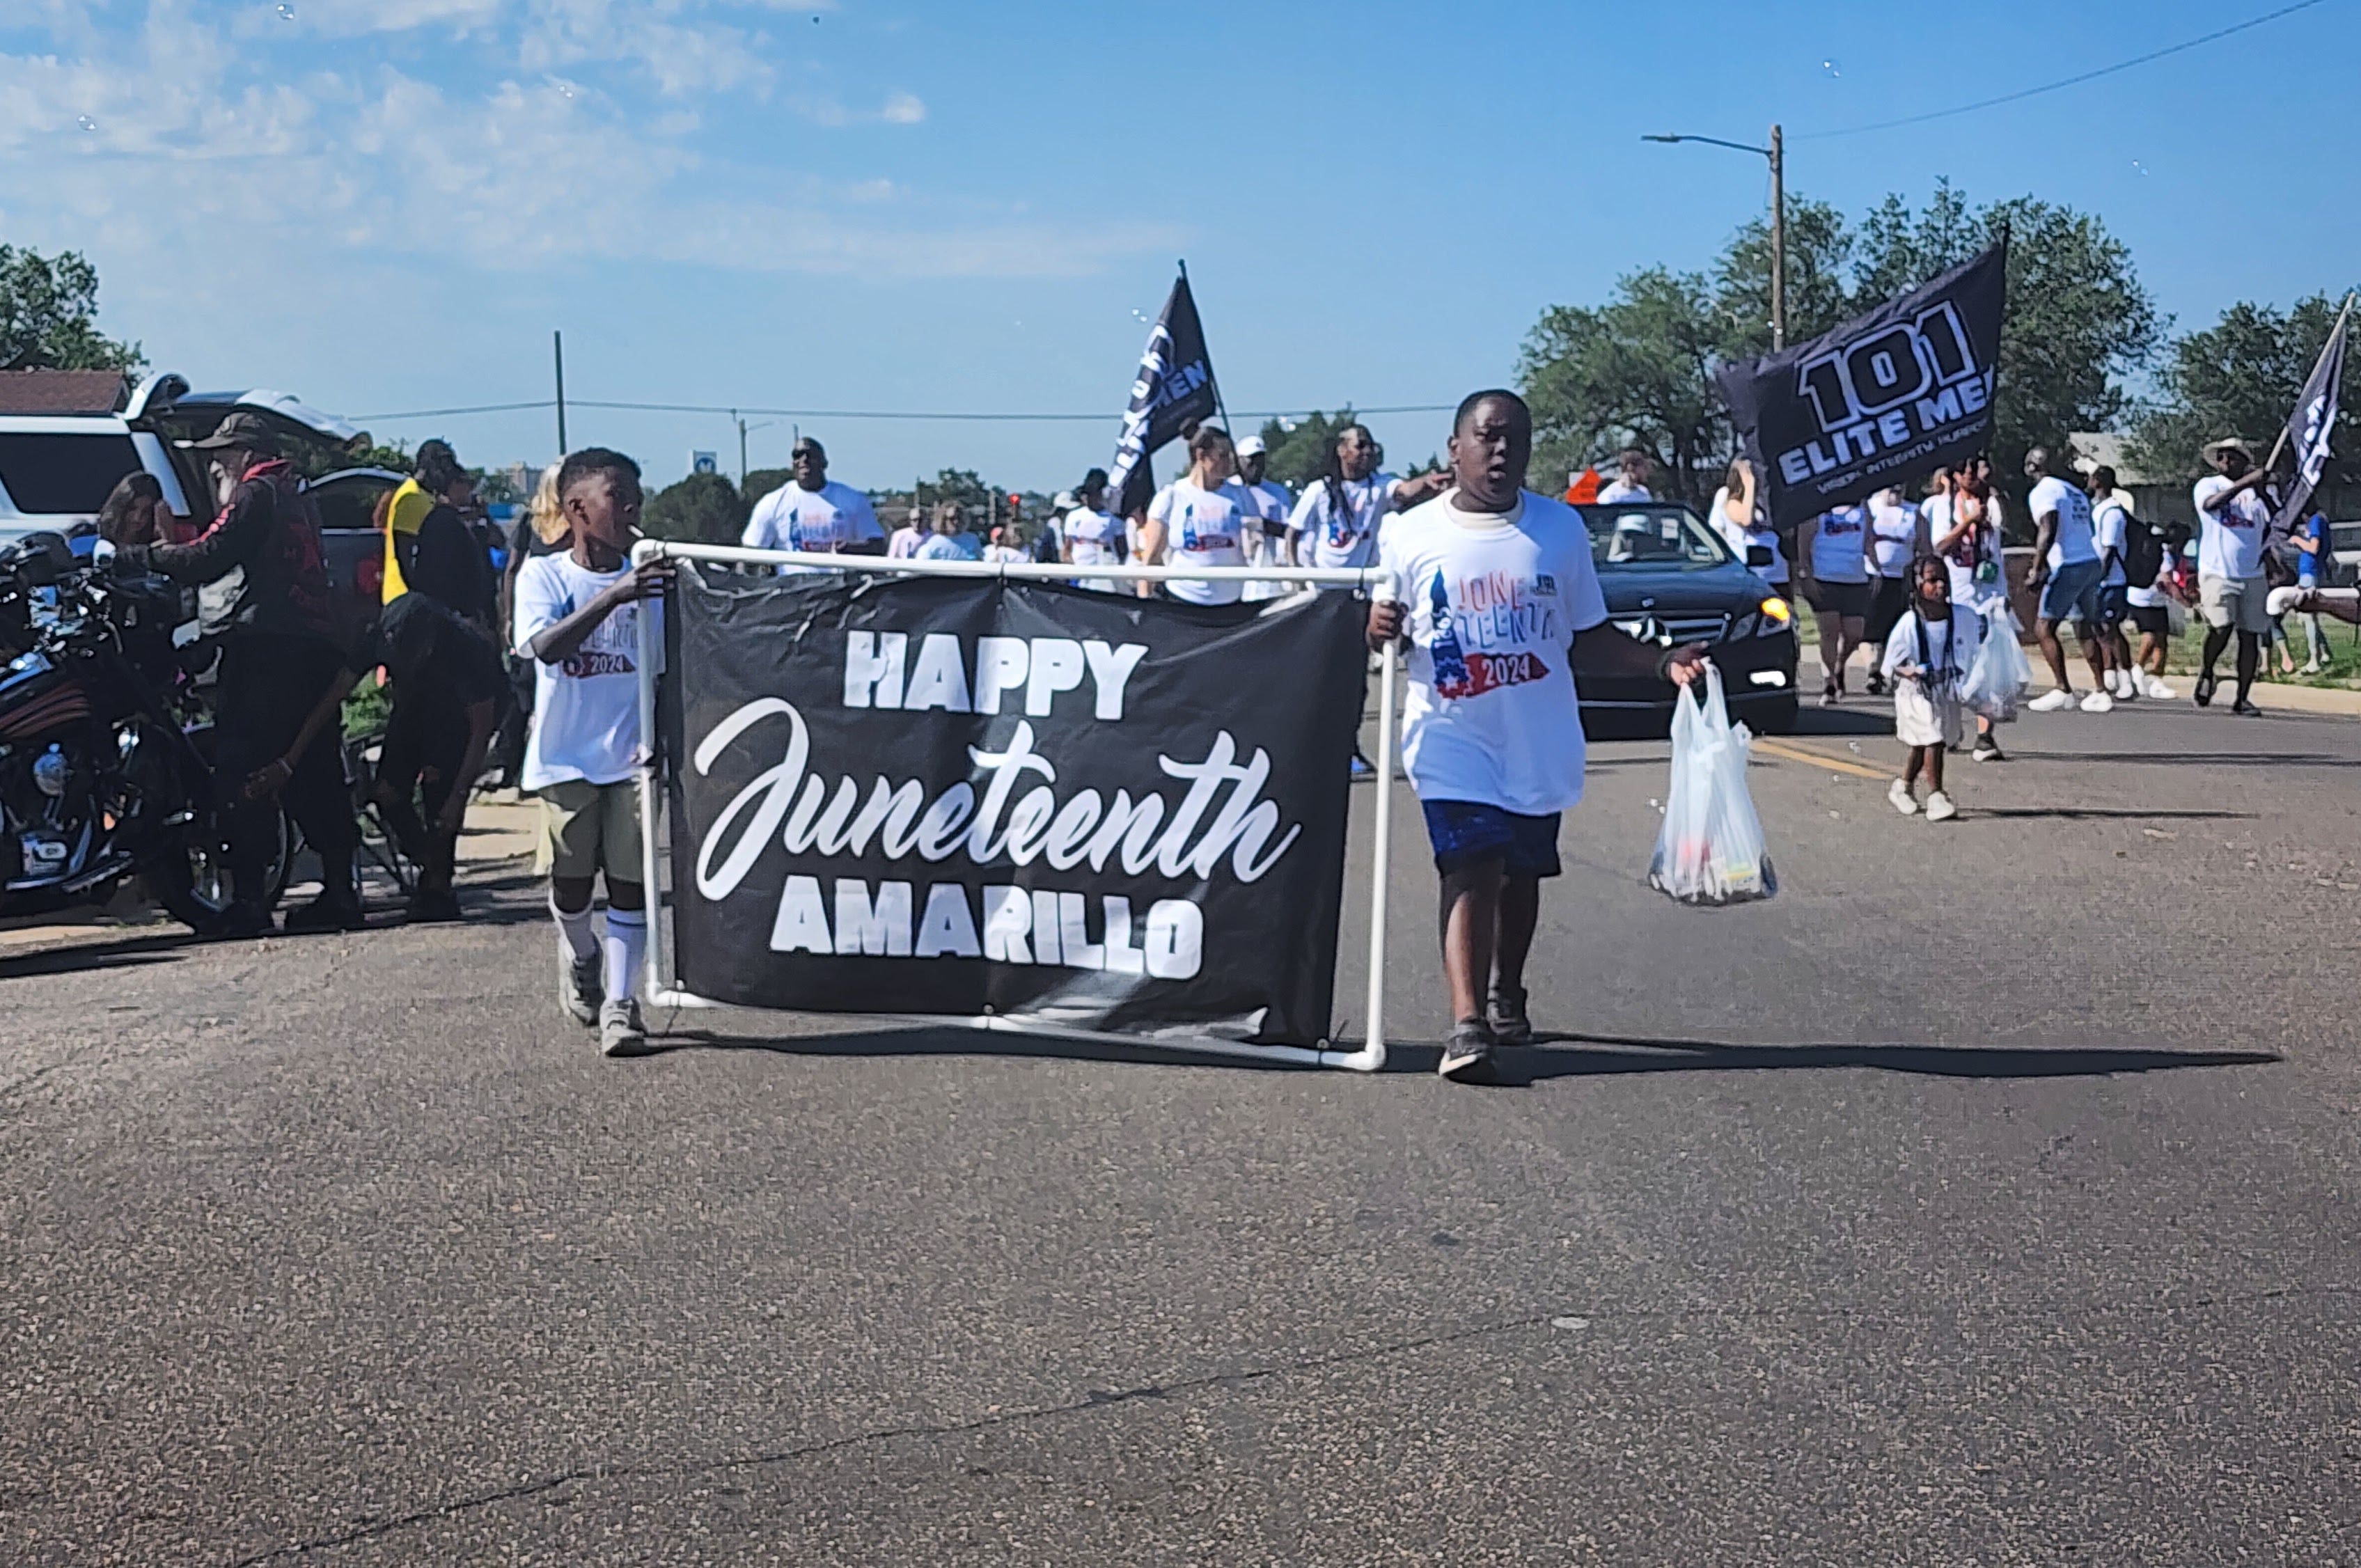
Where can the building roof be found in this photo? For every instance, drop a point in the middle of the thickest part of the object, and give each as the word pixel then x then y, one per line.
pixel 2095 449
pixel 63 391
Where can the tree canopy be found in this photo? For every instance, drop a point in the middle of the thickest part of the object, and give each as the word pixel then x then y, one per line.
pixel 2240 377
pixel 49 315
pixel 703 508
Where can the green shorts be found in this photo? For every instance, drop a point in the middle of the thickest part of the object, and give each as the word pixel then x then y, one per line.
pixel 587 829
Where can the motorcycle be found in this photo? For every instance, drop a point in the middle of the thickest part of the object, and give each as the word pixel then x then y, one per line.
pixel 103 749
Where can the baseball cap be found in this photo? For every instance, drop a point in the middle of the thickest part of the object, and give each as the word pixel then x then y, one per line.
pixel 1251 447
pixel 1063 500
pixel 242 430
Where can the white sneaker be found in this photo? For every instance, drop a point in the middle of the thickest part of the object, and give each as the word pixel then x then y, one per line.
pixel 2282 600
pixel 2156 690
pixel 2098 702
pixel 1899 793
pixel 2053 701
pixel 1939 807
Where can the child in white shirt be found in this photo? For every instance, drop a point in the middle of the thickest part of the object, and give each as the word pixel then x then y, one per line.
pixel 1927 654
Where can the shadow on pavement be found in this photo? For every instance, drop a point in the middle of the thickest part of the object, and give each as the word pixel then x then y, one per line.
pixel 126 952
pixel 1838 722
pixel 925 1040
pixel 2098 813
pixel 2199 758
pixel 1585 1056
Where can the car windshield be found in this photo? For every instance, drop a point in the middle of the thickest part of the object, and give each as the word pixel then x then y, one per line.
pixel 1653 535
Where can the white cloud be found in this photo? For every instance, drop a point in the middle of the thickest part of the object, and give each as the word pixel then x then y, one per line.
pixel 899 109
pixel 368 164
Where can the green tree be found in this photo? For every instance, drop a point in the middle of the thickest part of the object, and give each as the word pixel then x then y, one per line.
pixel 1818 247
pixel 760 482
pixel 1636 370
pixel 2240 377
pixel 703 509
pixel 962 485
pixel 49 310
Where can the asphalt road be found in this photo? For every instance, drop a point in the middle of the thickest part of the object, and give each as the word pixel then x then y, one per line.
pixel 1986 1198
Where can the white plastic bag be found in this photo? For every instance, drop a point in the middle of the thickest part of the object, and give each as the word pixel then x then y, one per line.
pixel 2000 673
pixel 1710 848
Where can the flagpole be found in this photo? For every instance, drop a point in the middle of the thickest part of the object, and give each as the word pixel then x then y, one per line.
pixel 2280 444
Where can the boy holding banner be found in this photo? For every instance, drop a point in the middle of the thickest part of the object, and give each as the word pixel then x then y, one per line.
pixel 1499 587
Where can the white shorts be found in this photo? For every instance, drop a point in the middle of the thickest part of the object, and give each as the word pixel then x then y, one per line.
pixel 1922 720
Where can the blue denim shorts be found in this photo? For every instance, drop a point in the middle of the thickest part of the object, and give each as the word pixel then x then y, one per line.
pixel 2072 592
pixel 1464 834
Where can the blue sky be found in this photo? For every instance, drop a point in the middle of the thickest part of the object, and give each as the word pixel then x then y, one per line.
pixel 388 204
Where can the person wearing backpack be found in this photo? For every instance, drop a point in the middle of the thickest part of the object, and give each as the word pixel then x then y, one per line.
pixel 2111 525
pixel 2148 551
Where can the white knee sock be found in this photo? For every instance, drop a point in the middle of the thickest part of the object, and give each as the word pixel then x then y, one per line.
pixel 576 939
pixel 626 944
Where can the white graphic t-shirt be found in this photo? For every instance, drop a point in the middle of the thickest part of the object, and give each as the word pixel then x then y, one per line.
pixel 2229 542
pixel 1346 537
pixel 1202 527
pixel 1623 489
pixel 2073 545
pixel 820 522
pixel 1495 602
pixel 1841 545
pixel 1893 537
pixel 1268 505
pixel 586 716
pixel 1942 650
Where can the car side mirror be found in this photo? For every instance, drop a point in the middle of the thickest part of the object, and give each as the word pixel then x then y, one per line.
pixel 1758 556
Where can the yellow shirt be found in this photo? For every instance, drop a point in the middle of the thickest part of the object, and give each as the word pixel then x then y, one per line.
pixel 403 514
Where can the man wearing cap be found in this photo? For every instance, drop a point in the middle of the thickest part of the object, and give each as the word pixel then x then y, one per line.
pixel 2233 512
pixel 263 591
pixel 1267 507
pixel 813 513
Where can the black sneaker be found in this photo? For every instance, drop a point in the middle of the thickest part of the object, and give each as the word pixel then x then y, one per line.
pixel 1510 1025
pixel 243 918
pixel 1987 750
pixel 325 913
pixel 1876 686
pixel 2203 695
pixel 2246 709
pixel 427 908
pixel 1467 1054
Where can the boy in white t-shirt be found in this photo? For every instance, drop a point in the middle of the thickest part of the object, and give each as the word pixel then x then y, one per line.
pixel 577 618
pixel 1500 584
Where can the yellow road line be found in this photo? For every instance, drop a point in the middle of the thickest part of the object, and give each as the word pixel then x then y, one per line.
pixel 1787 752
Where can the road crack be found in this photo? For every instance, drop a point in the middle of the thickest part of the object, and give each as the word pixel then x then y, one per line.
pixel 1102 1398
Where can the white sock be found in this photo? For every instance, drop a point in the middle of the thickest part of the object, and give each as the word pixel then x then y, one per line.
pixel 575 940
pixel 626 944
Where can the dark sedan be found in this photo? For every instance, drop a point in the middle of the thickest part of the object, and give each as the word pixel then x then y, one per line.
pixel 1669 580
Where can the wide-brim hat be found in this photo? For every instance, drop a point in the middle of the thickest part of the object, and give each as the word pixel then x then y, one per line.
pixel 2225 444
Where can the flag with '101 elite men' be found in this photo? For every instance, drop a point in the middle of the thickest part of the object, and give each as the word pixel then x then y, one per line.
pixel 1881 400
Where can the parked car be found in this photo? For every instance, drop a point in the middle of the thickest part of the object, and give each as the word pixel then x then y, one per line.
pixel 67 437
pixel 1670 579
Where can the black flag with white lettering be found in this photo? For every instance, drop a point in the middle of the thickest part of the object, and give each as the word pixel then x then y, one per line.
pixel 1175 386
pixel 956 798
pixel 2308 432
pixel 1881 400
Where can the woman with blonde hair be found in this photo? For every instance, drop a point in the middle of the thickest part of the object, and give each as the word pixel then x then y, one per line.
pixel 540 530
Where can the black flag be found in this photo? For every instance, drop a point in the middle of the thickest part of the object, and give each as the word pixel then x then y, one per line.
pixel 1878 402
pixel 2309 430
pixel 1175 386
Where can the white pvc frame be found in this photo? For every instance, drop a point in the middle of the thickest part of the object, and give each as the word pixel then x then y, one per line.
pixel 663 990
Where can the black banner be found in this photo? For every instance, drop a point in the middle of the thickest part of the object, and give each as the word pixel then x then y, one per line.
pixel 954 797
pixel 1881 400
pixel 2309 433
pixel 1175 386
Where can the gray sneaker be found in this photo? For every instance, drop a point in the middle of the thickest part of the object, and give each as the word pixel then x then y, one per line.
pixel 1467 1054
pixel 620 1033
pixel 581 984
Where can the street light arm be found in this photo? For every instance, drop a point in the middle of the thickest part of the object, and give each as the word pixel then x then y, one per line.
pixel 1715 141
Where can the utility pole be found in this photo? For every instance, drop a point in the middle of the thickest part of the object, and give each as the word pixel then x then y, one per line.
pixel 1778 241
pixel 742 449
pixel 1777 153
pixel 557 348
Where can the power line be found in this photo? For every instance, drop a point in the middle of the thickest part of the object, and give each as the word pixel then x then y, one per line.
pixel 1102 417
pixel 2068 81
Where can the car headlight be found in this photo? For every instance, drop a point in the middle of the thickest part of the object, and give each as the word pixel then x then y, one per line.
pixel 1774 617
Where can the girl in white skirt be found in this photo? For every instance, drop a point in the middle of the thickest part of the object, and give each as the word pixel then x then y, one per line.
pixel 1929 649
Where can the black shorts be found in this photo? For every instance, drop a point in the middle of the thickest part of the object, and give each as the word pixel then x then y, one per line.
pixel 1845 601
pixel 2113 607
pixel 1888 598
pixel 2153 618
